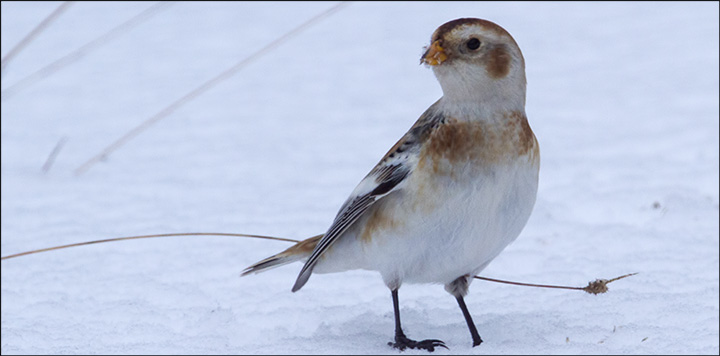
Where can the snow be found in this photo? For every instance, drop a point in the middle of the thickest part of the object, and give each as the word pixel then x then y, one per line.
pixel 623 98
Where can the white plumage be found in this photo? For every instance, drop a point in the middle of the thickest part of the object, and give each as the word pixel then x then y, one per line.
pixel 456 189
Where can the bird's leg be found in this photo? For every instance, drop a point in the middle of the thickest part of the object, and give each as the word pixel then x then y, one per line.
pixel 459 288
pixel 471 325
pixel 401 341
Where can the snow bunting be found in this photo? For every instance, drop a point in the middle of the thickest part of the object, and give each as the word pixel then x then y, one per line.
pixel 453 192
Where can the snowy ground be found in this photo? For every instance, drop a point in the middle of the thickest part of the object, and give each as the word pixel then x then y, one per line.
pixel 622 96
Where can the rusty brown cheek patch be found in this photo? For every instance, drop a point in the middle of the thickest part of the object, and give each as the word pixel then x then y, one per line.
pixel 498 62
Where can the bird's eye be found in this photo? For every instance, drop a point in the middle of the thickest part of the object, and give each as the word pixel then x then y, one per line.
pixel 473 44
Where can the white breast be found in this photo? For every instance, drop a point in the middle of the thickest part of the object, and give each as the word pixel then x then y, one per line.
pixel 442 226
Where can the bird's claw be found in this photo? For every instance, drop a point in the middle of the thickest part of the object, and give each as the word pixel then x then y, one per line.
pixel 401 343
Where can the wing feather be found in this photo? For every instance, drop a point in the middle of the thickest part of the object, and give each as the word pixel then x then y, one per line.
pixel 347 216
pixel 386 177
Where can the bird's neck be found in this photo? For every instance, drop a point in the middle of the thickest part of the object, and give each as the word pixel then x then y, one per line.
pixel 482 108
pixel 483 99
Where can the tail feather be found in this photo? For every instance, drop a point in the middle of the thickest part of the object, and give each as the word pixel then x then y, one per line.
pixel 298 252
pixel 268 263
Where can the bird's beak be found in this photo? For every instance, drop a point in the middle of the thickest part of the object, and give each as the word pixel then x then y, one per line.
pixel 434 55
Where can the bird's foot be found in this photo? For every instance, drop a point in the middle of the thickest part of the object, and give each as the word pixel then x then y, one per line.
pixel 402 342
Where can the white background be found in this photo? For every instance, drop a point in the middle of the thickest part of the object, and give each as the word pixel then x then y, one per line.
pixel 623 98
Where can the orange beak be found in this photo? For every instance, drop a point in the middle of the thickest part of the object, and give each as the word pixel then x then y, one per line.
pixel 435 55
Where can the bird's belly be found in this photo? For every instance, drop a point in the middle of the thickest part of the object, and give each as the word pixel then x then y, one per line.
pixel 448 226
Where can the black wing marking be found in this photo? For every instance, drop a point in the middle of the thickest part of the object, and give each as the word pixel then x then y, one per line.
pixel 350 212
pixel 393 169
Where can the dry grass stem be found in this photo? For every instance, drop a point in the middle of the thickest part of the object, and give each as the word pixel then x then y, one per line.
pixel 77 54
pixel 595 287
pixel 53 154
pixel 203 88
pixel 34 33
pixel 145 237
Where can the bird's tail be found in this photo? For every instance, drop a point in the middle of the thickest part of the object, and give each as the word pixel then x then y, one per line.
pixel 298 252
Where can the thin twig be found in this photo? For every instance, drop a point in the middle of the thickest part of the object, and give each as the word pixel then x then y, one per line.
pixel 527 284
pixel 597 286
pixel 145 237
pixel 53 154
pixel 203 88
pixel 34 33
pixel 77 54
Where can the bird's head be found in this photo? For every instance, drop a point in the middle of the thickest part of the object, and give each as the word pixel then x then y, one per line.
pixel 472 57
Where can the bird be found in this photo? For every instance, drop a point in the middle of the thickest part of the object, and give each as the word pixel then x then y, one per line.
pixel 452 193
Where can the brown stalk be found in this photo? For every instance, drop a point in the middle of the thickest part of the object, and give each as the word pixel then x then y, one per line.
pixel 34 33
pixel 144 237
pixel 202 89
pixel 597 286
